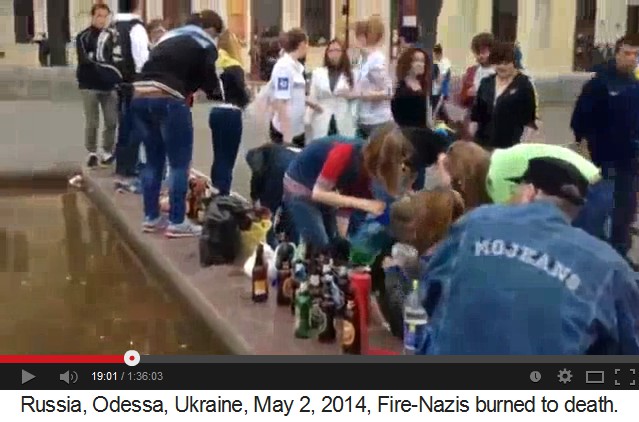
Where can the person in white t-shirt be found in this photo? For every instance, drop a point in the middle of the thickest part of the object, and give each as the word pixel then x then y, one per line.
pixel 441 84
pixel 288 87
pixel 373 84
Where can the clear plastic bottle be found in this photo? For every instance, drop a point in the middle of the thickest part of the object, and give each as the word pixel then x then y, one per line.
pixel 415 320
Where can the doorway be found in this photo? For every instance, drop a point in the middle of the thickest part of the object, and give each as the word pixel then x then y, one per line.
pixel 23 21
pixel 586 19
pixel 504 24
pixel 176 12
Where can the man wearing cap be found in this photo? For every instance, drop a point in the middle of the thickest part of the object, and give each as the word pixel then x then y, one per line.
pixel 520 280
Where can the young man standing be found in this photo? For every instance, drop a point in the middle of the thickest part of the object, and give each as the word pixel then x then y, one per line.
pixel 133 43
pixel 97 81
pixel 606 117
pixel 181 63
pixel 481 46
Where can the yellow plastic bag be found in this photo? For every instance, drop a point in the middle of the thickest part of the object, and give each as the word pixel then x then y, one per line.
pixel 254 236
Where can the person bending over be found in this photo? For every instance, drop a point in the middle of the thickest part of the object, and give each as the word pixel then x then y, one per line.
pixel 520 280
pixel 337 174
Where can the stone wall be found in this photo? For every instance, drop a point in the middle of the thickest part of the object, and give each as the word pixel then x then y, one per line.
pixel 58 84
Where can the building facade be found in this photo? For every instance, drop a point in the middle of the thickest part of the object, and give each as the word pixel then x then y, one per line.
pixel 546 30
pixel 323 19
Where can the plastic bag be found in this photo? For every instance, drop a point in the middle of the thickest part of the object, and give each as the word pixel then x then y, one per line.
pixel 252 237
pixel 269 261
pixel 221 241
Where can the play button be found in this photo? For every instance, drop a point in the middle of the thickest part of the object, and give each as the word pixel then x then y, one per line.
pixel 27 376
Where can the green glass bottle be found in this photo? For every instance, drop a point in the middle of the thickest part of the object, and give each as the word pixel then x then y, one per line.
pixel 303 312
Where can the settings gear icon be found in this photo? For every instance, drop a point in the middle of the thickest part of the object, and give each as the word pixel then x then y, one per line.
pixel 565 376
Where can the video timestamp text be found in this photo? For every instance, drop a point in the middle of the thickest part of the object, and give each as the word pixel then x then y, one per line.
pixel 110 376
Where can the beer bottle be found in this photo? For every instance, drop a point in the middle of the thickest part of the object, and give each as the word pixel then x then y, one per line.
pixel 298 278
pixel 259 279
pixel 327 332
pixel 315 292
pixel 302 312
pixel 351 344
pixel 284 274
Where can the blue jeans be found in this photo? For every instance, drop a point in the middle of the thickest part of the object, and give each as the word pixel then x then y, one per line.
pixel 165 128
pixel 597 211
pixel 226 129
pixel 127 148
pixel 314 223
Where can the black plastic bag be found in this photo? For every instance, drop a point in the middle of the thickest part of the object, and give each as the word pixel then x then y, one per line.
pixel 220 242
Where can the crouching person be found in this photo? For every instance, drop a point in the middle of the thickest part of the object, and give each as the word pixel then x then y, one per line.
pixel 520 280
pixel 330 178
pixel 180 64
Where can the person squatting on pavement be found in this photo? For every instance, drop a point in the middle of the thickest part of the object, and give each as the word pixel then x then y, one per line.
pixel 520 280
pixel 180 64
pixel 97 79
pixel 133 41
pixel 606 118
pixel 225 118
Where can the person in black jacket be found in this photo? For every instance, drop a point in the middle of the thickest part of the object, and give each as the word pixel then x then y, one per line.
pixel 97 87
pixel 410 102
pixel 181 63
pixel 606 120
pixel 225 119
pixel 505 108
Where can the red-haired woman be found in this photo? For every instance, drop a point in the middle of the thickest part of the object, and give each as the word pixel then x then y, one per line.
pixel 332 114
pixel 410 102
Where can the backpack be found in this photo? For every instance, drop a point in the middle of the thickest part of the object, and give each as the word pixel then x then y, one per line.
pixel 118 48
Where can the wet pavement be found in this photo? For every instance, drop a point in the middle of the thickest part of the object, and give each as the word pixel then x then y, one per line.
pixel 68 285
pixel 37 134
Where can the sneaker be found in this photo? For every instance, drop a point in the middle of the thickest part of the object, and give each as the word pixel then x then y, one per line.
pixel 186 229
pixel 107 160
pixel 92 161
pixel 151 226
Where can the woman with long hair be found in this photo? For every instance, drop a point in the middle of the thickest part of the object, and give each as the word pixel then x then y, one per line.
pixel 225 119
pixel 410 102
pixel 330 175
pixel 332 114
pixel 373 85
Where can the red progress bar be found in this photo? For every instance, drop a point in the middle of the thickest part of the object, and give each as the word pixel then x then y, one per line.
pixel 61 359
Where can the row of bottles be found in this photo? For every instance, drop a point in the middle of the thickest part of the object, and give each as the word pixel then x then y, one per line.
pixel 321 292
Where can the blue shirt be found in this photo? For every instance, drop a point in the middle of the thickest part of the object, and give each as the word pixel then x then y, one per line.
pixel 519 280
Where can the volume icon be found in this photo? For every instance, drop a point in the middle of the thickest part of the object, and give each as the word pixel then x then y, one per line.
pixel 69 377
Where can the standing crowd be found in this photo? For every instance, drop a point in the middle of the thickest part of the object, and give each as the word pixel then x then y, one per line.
pixel 523 246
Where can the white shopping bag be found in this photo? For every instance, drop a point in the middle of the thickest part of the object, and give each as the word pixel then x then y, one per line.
pixel 269 261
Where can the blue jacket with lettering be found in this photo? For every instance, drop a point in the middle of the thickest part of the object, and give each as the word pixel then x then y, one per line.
pixel 519 280
pixel 607 115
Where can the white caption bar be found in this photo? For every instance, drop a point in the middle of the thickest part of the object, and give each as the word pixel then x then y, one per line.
pixel 319 406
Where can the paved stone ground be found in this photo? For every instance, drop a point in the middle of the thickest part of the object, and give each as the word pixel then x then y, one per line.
pixel 39 134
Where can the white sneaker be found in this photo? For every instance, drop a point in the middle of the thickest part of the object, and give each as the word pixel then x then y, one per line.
pixel 185 229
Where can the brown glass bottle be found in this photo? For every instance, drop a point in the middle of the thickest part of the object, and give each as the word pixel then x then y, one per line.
pixel 351 339
pixel 259 279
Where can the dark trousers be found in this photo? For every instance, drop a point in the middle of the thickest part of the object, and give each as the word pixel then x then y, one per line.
pixel 611 206
pixel 127 148
pixel 165 128
pixel 226 130
pixel 625 207
pixel 278 138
